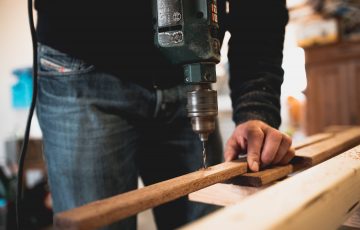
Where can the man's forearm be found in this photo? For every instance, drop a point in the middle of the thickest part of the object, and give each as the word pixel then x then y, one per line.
pixel 255 55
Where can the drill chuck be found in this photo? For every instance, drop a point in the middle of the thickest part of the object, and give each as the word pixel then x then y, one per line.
pixel 202 109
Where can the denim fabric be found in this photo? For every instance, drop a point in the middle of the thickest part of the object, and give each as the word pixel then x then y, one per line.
pixel 101 132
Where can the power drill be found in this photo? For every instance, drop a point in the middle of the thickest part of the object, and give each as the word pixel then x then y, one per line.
pixel 187 33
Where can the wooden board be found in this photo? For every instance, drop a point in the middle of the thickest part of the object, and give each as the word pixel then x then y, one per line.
pixel 224 194
pixel 305 157
pixel 104 212
pixel 322 197
pixel 266 176
pixel 314 154
pixel 312 140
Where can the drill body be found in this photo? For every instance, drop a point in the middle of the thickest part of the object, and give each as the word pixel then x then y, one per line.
pixel 187 33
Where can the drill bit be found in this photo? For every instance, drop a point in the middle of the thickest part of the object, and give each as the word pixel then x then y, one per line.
pixel 204 154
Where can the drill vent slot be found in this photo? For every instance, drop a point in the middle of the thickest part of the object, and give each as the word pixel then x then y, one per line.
pixel 170 28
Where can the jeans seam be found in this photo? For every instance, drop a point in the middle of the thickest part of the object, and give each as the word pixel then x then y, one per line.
pixel 66 74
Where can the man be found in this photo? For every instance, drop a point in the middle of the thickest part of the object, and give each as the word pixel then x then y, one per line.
pixel 111 107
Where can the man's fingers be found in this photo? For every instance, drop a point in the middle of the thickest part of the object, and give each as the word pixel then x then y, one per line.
pixel 264 145
pixel 288 157
pixel 283 148
pixel 255 139
pixel 272 143
pixel 232 149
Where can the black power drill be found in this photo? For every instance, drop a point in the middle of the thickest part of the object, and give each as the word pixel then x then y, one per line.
pixel 187 33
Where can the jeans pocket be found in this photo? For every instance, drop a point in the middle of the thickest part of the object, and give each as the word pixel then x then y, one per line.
pixel 53 62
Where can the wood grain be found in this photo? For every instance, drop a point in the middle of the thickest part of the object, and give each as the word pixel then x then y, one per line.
pixel 322 197
pixel 305 157
pixel 104 212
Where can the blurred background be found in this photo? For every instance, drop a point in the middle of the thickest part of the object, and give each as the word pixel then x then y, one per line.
pixel 321 89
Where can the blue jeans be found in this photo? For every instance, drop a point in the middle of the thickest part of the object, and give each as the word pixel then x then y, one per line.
pixel 101 132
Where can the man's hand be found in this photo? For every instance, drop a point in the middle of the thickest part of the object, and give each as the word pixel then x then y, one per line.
pixel 264 145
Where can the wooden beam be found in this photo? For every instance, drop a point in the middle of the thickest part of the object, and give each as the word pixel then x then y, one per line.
pixel 322 197
pixel 307 156
pixel 107 211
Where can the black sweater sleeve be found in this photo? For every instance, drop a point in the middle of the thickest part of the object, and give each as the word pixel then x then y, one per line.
pixel 257 30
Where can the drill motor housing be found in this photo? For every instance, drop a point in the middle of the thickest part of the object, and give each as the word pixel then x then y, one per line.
pixel 187 31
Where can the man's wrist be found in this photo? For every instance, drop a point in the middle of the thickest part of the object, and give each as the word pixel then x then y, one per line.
pixel 272 120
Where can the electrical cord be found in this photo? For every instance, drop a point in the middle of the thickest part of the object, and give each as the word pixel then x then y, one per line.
pixel 24 146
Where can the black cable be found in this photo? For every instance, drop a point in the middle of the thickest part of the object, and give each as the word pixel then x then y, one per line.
pixel 19 191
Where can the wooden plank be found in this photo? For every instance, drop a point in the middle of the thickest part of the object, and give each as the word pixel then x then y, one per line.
pixel 305 157
pixel 322 197
pixel 104 212
pixel 266 176
pixel 224 194
pixel 314 154
pixel 312 140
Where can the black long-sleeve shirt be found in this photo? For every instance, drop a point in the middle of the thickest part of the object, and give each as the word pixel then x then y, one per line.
pixel 117 36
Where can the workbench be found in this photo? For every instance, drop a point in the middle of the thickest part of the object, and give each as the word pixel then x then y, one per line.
pixel 319 189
